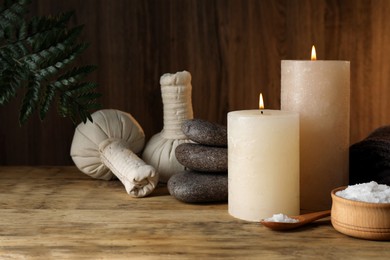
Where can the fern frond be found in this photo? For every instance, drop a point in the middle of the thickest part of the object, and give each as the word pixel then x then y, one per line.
pixel 11 16
pixel 50 64
pixel 73 76
pixel 16 50
pixel 30 101
pixel 38 54
pixel 82 88
pixel 78 101
pixel 47 100
pixel 12 12
pixel 11 80
pixel 22 32
pixel 7 88
pixel 78 73
pixel 46 23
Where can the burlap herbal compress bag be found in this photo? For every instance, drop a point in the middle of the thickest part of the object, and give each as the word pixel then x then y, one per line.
pixel 108 146
pixel 160 150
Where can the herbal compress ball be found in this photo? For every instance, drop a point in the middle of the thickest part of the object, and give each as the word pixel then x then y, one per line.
pixel 108 146
pixel 160 149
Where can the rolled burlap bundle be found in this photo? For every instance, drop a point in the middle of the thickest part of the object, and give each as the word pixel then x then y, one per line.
pixel 369 159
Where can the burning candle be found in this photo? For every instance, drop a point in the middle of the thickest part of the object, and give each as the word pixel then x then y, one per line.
pixel 319 91
pixel 263 163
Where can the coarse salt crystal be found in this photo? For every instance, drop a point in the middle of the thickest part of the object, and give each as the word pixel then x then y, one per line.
pixel 367 192
pixel 281 218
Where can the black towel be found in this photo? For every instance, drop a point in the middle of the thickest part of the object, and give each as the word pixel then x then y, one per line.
pixel 369 159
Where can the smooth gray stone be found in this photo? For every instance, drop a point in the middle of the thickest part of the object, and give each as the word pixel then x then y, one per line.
pixel 205 132
pixel 199 187
pixel 202 158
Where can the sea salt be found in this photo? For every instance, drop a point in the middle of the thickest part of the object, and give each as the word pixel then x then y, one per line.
pixel 281 218
pixel 367 192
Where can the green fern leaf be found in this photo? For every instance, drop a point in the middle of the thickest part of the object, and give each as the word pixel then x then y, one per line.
pixel 77 74
pixel 47 23
pixel 30 101
pixel 73 103
pixel 38 55
pixel 11 15
pixel 47 100
pixel 7 88
pixel 82 88
pixel 11 80
pixel 73 77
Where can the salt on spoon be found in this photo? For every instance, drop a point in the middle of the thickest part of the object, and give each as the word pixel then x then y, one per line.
pixel 281 218
pixel 282 222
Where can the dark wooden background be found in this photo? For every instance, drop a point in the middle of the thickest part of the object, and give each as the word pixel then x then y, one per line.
pixel 232 48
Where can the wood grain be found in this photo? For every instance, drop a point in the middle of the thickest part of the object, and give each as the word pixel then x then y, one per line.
pixel 60 213
pixel 233 49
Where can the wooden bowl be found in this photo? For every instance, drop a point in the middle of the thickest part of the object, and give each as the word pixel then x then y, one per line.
pixel 360 219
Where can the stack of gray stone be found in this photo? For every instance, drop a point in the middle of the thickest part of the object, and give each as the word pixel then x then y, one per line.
pixel 205 178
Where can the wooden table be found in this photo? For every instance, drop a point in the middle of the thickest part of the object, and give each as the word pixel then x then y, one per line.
pixel 60 213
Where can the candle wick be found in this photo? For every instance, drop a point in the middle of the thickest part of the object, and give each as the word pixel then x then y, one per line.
pixel 262 112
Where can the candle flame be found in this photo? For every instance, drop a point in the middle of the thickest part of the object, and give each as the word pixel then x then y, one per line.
pixel 313 53
pixel 261 102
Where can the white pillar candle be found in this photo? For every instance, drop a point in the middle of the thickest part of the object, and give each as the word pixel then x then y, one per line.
pixel 319 91
pixel 263 163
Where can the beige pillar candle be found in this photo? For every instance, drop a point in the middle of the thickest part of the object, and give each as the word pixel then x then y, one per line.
pixel 263 163
pixel 319 90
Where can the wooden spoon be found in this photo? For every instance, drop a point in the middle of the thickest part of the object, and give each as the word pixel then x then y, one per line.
pixel 303 219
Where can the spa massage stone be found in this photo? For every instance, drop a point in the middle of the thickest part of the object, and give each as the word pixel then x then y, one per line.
pixel 202 158
pixel 204 132
pixel 209 153
pixel 206 161
pixel 199 187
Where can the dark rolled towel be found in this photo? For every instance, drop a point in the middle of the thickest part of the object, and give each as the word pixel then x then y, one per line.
pixel 369 159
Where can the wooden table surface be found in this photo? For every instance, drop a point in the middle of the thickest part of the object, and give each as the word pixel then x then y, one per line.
pixel 60 213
